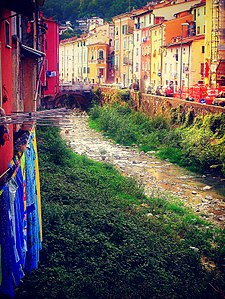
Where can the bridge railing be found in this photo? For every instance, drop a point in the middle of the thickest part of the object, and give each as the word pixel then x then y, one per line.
pixel 76 87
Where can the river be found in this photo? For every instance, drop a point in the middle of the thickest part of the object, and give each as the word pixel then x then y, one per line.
pixel 203 194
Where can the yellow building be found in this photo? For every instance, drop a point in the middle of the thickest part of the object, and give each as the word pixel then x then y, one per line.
pixel 89 57
pixel 215 43
pixel 124 26
pixel 157 41
pixel 100 51
pixel 199 17
pixel 196 72
pixel 97 62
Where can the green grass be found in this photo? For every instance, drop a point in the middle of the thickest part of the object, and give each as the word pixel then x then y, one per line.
pixel 198 145
pixel 103 238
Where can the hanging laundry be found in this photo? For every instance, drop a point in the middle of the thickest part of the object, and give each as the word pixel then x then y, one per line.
pixel 20 221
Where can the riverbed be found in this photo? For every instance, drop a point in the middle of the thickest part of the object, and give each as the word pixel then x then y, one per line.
pixel 203 194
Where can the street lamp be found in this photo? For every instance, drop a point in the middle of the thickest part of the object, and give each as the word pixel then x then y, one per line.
pixel 181 55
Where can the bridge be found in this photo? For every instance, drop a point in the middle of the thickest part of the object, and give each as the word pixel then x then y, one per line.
pixel 77 95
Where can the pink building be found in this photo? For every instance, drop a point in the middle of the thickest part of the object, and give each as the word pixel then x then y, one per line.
pixel 50 72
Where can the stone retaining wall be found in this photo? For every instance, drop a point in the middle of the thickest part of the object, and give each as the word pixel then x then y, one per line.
pixel 152 104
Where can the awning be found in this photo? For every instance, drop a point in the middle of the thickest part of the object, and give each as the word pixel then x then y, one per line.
pixel 30 52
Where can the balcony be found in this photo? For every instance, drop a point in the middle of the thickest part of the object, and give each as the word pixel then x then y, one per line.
pixel 100 60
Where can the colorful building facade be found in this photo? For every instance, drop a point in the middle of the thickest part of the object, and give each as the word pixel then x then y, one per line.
pixel 124 44
pixel 50 46
pixel 21 61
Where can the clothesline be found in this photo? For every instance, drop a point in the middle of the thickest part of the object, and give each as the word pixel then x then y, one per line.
pixel 48 117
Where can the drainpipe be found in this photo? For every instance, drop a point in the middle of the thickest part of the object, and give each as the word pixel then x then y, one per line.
pixel 38 84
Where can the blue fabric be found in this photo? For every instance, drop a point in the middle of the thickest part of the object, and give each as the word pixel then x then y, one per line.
pixel 33 226
pixel 20 217
pixel 19 227
pixel 17 271
pixel 6 244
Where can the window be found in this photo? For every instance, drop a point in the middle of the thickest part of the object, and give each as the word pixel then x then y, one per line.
pixel 198 12
pixel 100 54
pixel 116 31
pixel 204 10
pixel 198 30
pixel 165 68
pixel 92 55
pixel 137 67
pixel 125 43
pixel 144 21
pixel 116 61
pixel 7 34
pixel 183 70
pixel 194 14
pixel 88 70
pixel 202 69
pixel 116 45
pixel 124 29
pixel 203 49
pixel 204 29
pixel 137 52
pixel 137 37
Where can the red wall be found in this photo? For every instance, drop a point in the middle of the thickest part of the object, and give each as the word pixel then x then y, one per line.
pixel 51 46
pixel 6 151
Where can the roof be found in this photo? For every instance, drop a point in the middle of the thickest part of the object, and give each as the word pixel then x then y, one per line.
pixel 123 15
pixel 141 11
pixel 187 40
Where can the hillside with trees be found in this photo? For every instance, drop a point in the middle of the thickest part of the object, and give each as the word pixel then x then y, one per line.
pixel 68 10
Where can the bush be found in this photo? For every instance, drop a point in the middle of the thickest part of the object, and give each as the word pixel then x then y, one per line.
pixel 197 144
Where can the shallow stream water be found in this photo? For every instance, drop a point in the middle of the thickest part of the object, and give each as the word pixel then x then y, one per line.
pixel 204 194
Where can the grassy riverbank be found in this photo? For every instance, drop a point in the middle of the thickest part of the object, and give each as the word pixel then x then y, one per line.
pixel 196 143
pixel 104 239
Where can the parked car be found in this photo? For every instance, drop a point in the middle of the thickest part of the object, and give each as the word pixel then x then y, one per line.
pixel 219 102
pixel 159 91
pixel 150 90
pixel 169 91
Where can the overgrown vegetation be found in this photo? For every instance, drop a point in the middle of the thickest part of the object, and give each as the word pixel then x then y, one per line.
pixel 104 239
pixel 195 143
